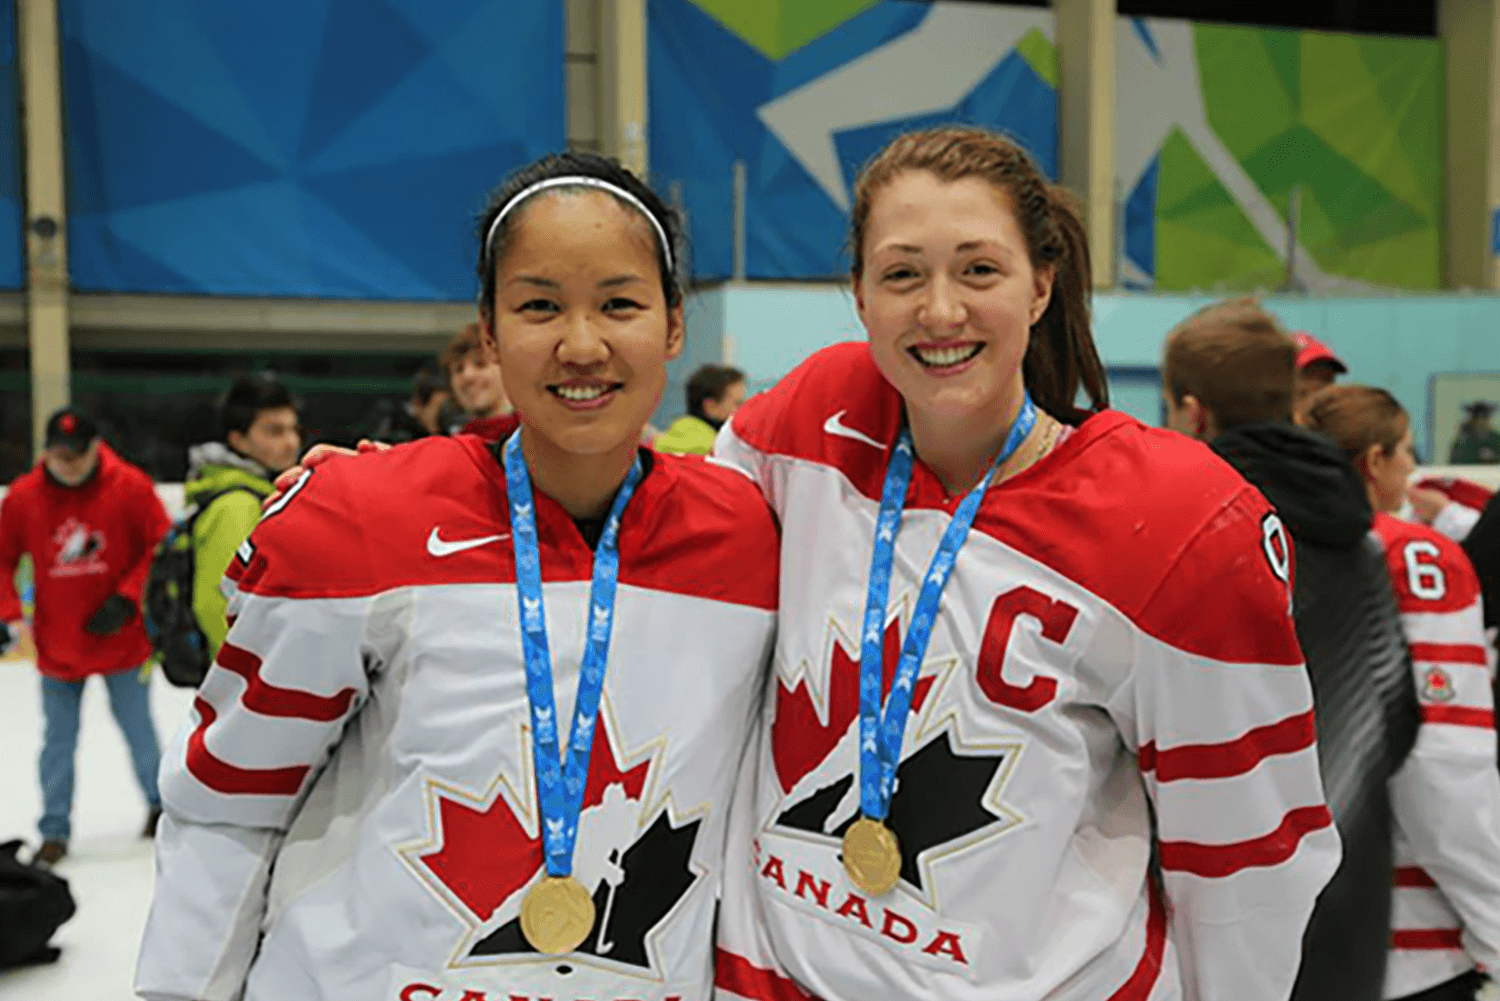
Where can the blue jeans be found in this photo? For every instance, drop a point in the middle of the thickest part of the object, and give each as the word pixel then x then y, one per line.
pixel 130 700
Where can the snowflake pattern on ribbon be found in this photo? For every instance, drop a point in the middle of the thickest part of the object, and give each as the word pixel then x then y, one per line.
pixel 880 735
pixel 560 781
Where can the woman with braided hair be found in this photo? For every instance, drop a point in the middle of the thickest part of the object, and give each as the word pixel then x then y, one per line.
pixel 1038 726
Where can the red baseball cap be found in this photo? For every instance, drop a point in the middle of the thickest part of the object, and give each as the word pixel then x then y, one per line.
pixel 1310 349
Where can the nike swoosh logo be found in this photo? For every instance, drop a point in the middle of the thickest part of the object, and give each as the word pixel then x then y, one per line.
pixel 437 546
pixel 835 425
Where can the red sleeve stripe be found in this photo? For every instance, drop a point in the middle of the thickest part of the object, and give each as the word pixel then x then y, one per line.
pixel 221 776
pixel 1484 719
pixel 1427 938
pixel 1448 653
pixel 1143 977
pixel 1411 876
pixel 1218 861
pixel 269 700
pixel 740 976
pixel 1234 757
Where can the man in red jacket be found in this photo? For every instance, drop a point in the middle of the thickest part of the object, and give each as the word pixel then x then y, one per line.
pixel 90 521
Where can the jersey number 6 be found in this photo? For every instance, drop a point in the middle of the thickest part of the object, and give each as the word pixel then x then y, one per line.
pixel 1424 580
pixel 1057 619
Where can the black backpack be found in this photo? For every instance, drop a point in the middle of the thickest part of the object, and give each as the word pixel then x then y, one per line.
pixel 34 903
pixel 167 601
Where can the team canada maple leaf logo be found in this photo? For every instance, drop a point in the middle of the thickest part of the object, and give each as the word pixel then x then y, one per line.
pixel 633 854
pixel 946 792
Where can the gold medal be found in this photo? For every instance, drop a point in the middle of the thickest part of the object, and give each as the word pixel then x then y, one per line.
pixel 557 915
pixel 872 856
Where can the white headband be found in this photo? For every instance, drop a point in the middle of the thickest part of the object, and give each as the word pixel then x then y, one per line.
pixel 582 181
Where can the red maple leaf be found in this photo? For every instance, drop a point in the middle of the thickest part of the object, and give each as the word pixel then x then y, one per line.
pixel 487 855
pixel 799 739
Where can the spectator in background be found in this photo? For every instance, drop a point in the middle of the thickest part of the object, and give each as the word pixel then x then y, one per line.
pixel 1447 795
pixel 420 416
pixel 91 522
pixel 1317 366
pixel 714 393
pixel 474 375
pixel 228 479
pixel 1477 442
pixel 1230 378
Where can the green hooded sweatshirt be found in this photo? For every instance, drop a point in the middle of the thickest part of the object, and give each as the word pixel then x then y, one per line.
pixel 222 527
pixel 688 435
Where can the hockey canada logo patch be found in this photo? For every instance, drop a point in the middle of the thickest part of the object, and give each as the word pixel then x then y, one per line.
pixel 634 854
pixel 80 550
pixel 1437 686
pixel 948 791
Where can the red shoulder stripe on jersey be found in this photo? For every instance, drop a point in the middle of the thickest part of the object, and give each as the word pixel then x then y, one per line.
pixel 221 776
pixel 738 974
pixel 1448 653
pixel 1465 492
pixel 1459 716
pixel 1218 861
pixel 262 697
pixel 1143 977
pixel 1413 877
pixel 1234 757
pixel 1427 938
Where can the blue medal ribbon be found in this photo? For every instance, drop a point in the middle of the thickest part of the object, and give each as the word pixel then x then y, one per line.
pixel 880 736
pixel 560 783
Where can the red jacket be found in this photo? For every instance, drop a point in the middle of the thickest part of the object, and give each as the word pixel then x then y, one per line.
pixel 86 544
pixel 493 428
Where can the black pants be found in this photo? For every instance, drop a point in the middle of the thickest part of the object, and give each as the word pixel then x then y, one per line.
pixel 1460 988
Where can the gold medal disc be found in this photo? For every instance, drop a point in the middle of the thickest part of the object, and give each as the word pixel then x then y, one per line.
pixel 557 915
pixel 872 856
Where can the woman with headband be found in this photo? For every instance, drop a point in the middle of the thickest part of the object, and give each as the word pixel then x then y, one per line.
pixel 475 727
pixel 1039 727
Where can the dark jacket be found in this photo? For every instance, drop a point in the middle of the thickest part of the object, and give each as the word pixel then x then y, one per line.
pixel 1482 545
pixel 1350 629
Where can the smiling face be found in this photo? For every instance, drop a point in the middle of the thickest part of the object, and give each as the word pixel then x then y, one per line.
pixel 948 295
pixel 581 326
pixel 477 385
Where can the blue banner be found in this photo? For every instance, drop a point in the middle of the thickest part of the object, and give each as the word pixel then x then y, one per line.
pixel 805 91
pixel 12 208
pixel 328 148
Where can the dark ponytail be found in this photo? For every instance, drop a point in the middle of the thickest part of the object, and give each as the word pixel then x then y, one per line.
pixel 1061 357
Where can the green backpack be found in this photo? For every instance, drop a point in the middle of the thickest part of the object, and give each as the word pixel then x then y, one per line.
pixel 167 602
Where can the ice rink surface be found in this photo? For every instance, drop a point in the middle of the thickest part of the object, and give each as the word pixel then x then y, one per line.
pixel 109 865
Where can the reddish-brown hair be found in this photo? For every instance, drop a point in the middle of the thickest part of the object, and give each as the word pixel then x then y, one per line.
pixel 1236 359
pixel 1061 356
pixel 1356 417
pixel 467 341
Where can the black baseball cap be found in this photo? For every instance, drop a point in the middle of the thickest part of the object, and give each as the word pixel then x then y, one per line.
pixel 71 428
pixel 1480 408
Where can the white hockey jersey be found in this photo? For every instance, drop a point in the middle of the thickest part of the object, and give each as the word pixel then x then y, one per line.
pixel 1115 638
pixel 351 815
pixel 1446 798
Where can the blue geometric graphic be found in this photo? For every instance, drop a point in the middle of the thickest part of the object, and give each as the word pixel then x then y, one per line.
pixel 327 148
pixel 706 88
pixel 1140 220
pixel 12 243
